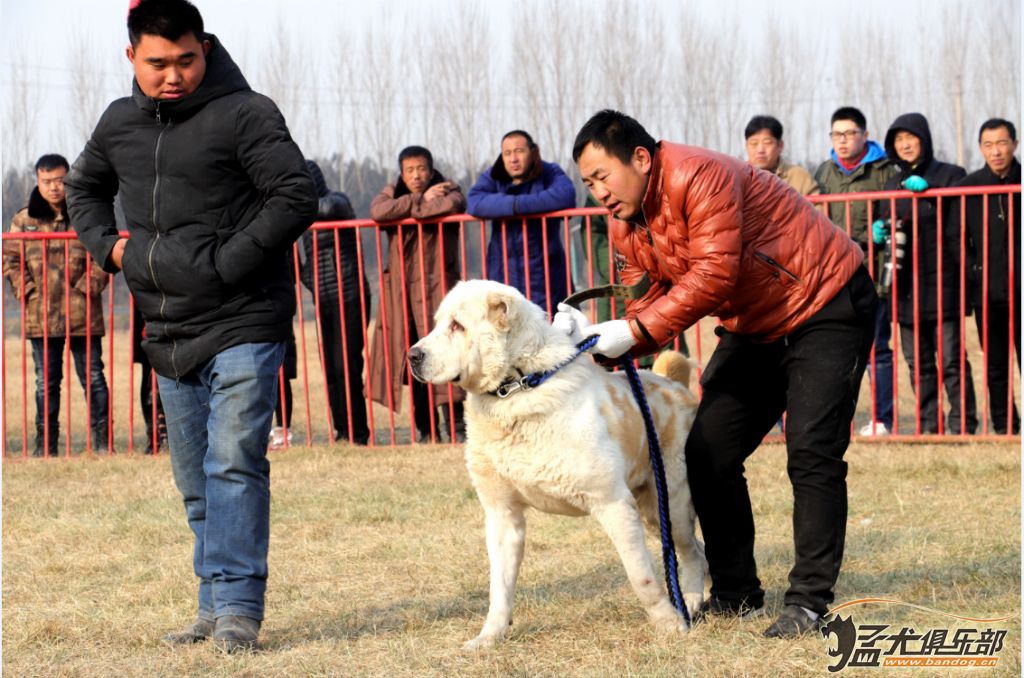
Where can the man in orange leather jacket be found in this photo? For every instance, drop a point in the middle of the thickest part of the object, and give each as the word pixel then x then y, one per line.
pixel 719 237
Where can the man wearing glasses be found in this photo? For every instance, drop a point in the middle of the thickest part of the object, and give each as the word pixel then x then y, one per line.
pixel 859 164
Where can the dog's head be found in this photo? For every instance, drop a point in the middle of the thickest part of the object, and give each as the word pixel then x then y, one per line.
pixel 480 328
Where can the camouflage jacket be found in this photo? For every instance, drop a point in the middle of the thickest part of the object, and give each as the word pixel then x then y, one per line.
pixel 85 300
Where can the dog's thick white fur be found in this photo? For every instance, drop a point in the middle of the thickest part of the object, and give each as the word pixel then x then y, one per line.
pixel 574 445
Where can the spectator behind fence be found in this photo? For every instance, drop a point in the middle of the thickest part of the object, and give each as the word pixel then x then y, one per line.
pixel 908 144
pixel 764 143
pixel 147 387
pixel 998 141
pixel 214 192
pixel 521 183
pixel 281 435
pixel 47 213
pixel 718 237
pixel 319 273
pixel 420 271
pixel 859 164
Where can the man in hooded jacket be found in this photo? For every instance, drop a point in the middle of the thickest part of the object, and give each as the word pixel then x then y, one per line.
pixel 923 322
pixel 214 191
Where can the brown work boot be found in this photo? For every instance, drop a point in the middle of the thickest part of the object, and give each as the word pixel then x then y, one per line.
pixel 233 633
pixel 197 632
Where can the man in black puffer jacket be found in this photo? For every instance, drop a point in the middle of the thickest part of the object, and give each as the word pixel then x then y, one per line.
pixel 214 191
pixel 355 294
pixel 908 143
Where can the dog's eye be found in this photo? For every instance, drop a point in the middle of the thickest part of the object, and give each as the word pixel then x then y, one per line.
pixel 455 327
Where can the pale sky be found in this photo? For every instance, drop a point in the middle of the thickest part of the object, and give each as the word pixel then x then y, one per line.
pixel 245 27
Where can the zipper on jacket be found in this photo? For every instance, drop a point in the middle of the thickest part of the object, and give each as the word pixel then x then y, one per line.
pixel 152 245
pixel 776 265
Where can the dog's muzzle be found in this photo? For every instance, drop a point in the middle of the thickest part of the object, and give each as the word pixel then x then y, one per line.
pixel 416 356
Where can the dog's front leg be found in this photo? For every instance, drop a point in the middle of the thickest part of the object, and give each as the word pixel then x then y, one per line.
pixel 621 520
pixel 506 532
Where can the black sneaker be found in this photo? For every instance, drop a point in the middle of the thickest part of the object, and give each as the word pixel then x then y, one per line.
pixel 792 622
pixel 199 631
pixel 233 633
pixel 715 607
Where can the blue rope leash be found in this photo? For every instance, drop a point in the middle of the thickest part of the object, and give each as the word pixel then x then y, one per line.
pixel 537 378
pixel 668 549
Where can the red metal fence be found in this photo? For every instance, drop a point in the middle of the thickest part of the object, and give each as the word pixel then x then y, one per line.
pixel 590 261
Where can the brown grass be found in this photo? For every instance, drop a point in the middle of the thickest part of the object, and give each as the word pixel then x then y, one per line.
pixel 378 568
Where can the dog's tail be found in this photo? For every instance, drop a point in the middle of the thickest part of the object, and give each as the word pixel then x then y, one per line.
pixel 675 366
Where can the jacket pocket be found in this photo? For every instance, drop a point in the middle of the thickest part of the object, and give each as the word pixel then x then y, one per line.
pixel 777 270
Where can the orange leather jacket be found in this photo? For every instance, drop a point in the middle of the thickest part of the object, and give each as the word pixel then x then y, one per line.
pixel 726 239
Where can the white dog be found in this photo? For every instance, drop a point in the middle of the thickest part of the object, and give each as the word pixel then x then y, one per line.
pixel 573 445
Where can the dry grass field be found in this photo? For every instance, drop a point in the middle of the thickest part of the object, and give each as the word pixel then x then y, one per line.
pixel 378 568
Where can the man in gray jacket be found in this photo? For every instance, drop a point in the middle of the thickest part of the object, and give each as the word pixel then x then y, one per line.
pixel 858 164
pixel 214 191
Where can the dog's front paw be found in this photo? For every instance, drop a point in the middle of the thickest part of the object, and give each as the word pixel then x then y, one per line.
pixel 693 602
pixel 481 642
pixel 671 625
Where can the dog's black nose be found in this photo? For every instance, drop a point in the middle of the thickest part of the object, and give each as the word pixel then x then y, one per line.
pixel 415 355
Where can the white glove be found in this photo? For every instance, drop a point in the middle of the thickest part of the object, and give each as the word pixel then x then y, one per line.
pixel 571 322
pixel 615 338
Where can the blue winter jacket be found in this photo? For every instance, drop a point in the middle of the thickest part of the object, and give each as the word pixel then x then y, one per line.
pixel 495 197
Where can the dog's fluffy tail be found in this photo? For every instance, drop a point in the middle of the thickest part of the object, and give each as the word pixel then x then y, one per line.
pixel 675 366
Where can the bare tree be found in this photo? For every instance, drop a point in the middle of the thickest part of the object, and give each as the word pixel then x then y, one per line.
pixel 89 96
pixel 24 98
pixel 550 70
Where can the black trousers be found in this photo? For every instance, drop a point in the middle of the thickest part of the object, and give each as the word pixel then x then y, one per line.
pixel 342 396
pixel 928 396
pixel 814 374
pixel 998 373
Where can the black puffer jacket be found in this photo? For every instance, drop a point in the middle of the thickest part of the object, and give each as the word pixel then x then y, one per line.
pixel 334 206
pixel 938 175
pixel 214 191
pixel 998 237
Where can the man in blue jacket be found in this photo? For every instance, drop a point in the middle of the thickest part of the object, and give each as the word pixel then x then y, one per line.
pixel 214 192
pixel 520 183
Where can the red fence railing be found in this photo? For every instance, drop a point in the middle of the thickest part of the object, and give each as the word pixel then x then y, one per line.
pixel 403 265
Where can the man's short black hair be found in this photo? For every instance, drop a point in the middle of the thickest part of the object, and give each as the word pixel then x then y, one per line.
pixel 415 152
pixel 853 115
pixel 617 133
pixel 760 122
pixel 51 161
pixel 169 19
pixel 520 133
pixel 996 123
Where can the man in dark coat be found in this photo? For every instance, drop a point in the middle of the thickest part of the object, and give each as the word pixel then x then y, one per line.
pixel 908 144
pixel 520 183
pixel 988 252
pixel 343 360
pixel 214 191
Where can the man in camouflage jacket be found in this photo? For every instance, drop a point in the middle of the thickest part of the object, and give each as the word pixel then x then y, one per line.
pixel 71 288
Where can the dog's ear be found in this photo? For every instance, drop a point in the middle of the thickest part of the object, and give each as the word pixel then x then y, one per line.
pixel 499 311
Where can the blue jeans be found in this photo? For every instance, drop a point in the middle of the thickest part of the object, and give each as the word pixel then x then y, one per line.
pixel 48 386
pixel 218 424
pixel 881 376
